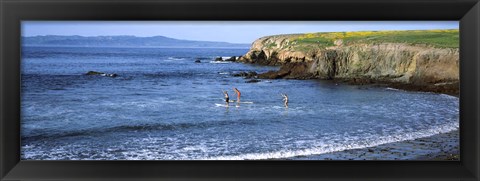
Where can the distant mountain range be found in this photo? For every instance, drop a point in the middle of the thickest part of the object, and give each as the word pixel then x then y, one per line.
pixel 121 41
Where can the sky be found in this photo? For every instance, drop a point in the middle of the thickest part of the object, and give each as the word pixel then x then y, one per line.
pixel 224 31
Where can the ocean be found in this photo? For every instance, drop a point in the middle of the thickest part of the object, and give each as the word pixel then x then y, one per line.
pixel 164 106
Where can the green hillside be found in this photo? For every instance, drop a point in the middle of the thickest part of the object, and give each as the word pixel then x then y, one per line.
pixel 435 38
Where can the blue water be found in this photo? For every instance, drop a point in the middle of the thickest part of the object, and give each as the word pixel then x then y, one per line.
pixel 164 106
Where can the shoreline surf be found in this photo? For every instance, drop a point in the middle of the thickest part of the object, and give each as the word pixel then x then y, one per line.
pixel 314 152
pixel 439 147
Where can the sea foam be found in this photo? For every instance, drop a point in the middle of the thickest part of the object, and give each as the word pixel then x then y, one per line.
pixel 327 149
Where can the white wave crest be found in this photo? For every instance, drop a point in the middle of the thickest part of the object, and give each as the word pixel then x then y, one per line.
pixel 218 62
pixel 391 89
pixel 175 58
pixel 327 149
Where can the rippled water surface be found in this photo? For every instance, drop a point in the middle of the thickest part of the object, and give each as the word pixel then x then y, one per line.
pixel 163 105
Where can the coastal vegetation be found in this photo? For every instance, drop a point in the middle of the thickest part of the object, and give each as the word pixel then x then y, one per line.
pixel 436 38
pixel 448 38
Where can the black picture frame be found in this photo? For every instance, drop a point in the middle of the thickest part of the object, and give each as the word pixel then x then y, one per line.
pixel 12 12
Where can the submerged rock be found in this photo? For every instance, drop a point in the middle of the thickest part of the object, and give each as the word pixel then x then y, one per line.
pixel 198 61
pixel 218 59
pixel 93 73
pixel 248 75
pixel 101 74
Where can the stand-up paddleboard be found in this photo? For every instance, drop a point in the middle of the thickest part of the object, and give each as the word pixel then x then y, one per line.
pixel 246 102
pixel 232 104
pixel 220 105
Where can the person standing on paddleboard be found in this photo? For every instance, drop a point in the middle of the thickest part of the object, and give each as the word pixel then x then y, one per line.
pixel 227 99
pixel 285 100
pixel 238 94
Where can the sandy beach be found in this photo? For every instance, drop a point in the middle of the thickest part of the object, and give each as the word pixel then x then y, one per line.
pixel 439 147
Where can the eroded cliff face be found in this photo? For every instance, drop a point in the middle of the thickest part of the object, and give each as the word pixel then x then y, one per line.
pixel 419 65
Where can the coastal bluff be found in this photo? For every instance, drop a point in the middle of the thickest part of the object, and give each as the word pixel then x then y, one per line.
pixel 422 60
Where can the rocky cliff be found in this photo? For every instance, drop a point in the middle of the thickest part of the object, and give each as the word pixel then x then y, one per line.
pixel 429 62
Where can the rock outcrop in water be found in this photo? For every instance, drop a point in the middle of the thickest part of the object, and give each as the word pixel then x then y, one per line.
pixel 218 59
pixel 231 59
pixel 395 59
pixel 247 75
pixel 101 74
